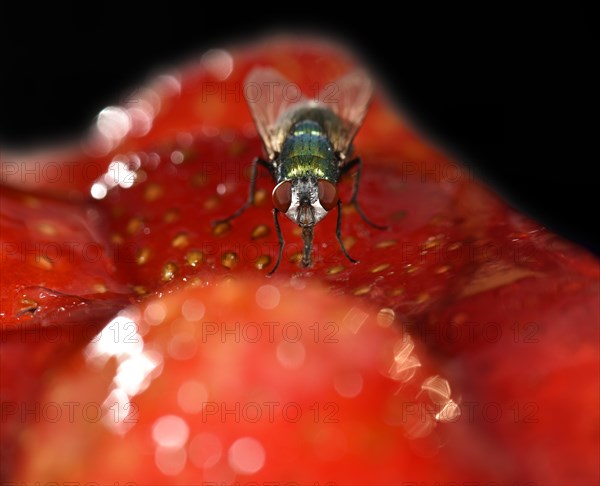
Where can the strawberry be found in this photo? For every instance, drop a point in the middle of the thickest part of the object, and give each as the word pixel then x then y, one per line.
pixel 501 311
pixel 242 382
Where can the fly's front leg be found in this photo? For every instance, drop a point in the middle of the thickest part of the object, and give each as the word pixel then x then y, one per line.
pixel 250 201
pixel 281 242
pixel 354 198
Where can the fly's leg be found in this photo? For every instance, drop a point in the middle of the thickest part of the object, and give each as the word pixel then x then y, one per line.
pixel 338 232
pixel 250 201
pixel 354 198
pixel 281 242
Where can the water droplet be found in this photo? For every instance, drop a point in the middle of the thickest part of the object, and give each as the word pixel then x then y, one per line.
pixel 177 157
pixel 170 460
pixel 169 271
pixel 182 346
pixel 385 317
pixel 98 190
pixel 205 450
pixel 267 296
pixel 438 389
pixel 193 309
pixel 185 139
pixel 442 269
pixel 246 456
pixel 191 397
pixel 297 282
pixel 155 313
pixel 142 116
pixel 210 131
pixel 450 412
pixel 134 373
pixel 119 421
pixel 354 319
pixel 291 355
pixel 170 431
pixel 113 123
pixel 229 259
pixel 418 426
pixel 119 173
pixel 405 363
pixel 348 385
pixel 120 338
pixel 167 84
pixel 218 62
pixel 183 325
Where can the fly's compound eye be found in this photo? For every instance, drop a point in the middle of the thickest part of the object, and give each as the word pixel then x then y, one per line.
pixel 282 196
pixel 328 196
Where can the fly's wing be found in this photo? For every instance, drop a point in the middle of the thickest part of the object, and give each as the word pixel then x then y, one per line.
pixel 349 99
pixel 269 96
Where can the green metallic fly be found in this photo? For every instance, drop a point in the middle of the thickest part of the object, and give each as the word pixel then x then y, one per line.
pixel 308 144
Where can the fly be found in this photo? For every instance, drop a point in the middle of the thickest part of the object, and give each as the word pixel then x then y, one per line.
pixel 308 147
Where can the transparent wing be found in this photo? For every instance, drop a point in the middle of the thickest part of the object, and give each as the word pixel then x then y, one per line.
pixel 349 99
pixel 269 95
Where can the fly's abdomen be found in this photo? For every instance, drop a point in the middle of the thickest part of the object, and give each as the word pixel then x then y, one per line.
pixel 307 152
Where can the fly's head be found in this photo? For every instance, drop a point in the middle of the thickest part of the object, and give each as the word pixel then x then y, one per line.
pixel 305 200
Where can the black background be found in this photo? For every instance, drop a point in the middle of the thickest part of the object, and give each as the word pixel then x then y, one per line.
pixel 509 92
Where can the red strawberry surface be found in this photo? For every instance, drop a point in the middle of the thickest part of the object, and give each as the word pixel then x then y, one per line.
pixel 462 347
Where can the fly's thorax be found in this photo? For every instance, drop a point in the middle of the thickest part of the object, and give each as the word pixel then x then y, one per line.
pixel 307 152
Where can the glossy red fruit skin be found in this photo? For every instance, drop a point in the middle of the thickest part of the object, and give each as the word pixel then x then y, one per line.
pixel 456 265
pixel 284 383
